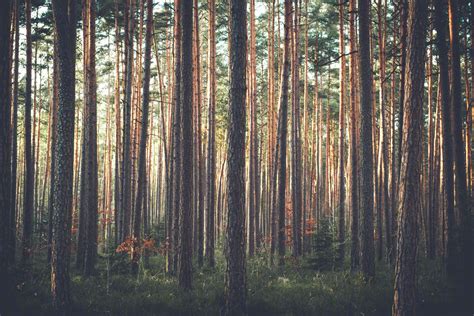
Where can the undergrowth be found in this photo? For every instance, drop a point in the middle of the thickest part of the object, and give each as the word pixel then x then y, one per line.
pixel 293 289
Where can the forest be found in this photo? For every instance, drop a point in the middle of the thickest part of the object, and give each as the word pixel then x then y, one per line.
pixel 236 157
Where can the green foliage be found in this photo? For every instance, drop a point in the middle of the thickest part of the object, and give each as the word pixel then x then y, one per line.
pixel 324 247
pixel 288 290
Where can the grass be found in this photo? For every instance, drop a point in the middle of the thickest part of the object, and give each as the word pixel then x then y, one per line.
pixel 293 289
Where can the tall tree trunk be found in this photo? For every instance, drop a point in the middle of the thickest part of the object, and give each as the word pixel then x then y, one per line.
pixel 211 143
pixel 461 198
pixel 14 140
pixel 271 125
pixel 295 137
pixel 29 163
pixel 141 188
pixel 354 196
pixel 409 202
pixel 342 189
pixel 200 185
pixel 65 25
pixel 127 108
pixel 366 162
pixel 440 24
pixel 176 145
pixel 88 230
pixel 235 280
pixel 5 144
pixel 282 135
pixel 185 245
pixel 118 129
pixel 252 68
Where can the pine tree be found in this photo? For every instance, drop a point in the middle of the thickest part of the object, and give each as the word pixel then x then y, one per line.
pixel 409 203
pixel 235 280
pixel 65 25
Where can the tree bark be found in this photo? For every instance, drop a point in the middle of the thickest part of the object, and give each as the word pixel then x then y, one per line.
pixel 185 245
pixel 29 181
pixel 461 198
pixel 5 143
pixel 409 203
pixel 211 143
pixel 295 137
pixel 65 25
pixel 235 280
pixel 366 162
pixel 342 189
pixel 141 188
pixel 354 196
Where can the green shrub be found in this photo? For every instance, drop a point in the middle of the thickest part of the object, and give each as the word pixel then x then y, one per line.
pixel 323 255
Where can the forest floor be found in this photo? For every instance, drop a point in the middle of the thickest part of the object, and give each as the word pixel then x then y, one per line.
pixel 295 289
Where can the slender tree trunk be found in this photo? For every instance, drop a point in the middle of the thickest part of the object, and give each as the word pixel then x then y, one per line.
pixel 342 189
pixel 88 229
pixel 200 164
pixel 440 23
pixel 367 203
pixel 354 196
pixel 296 143
pixel 282 134
pixel 5 144
pixel 29 163
pixel 185 245
pixel 126 203
pixel 118 130
pixel 177 126
pixel 211 143
pixel 139 200
pixel 252 68
pixel 14 140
